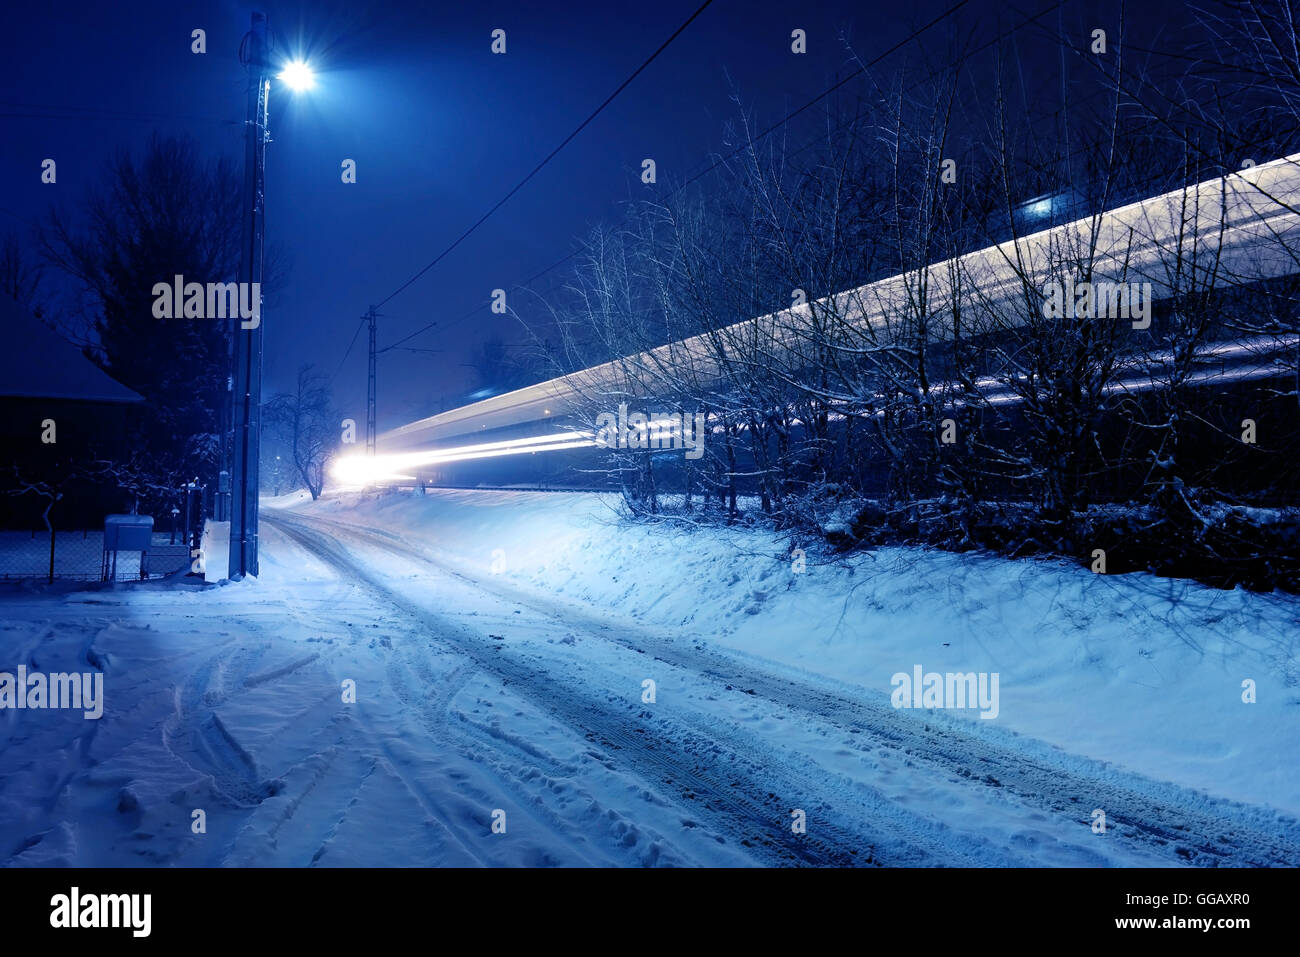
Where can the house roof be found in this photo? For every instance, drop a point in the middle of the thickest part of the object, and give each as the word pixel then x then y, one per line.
pixel 36 362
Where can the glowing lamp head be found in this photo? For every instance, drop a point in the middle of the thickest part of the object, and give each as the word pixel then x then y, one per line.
pixel 298 76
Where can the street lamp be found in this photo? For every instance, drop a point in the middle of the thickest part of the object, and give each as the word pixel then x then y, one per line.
pixel 298 76
pixel 246 383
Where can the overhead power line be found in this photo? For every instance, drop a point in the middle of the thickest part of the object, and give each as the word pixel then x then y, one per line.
pixel 765 133
pixel 349 349
pixel 551 155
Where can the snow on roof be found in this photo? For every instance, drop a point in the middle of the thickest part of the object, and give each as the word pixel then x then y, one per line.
pixel 36 362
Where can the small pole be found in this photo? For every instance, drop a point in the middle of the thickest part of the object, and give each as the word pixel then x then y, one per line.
pixel 50 525
pixel 371 315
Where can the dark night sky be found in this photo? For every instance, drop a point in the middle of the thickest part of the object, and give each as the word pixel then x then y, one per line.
pixel 440 129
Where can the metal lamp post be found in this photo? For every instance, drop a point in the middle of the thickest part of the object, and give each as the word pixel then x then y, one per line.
pixel 246 353
pixel 246 384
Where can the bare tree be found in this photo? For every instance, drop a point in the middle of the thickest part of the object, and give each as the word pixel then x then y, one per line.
pixel 20 277
pixel 308 423
pixel 866 319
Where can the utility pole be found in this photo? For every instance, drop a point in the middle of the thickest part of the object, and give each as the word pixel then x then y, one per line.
pixel 254 53
pixel 370 316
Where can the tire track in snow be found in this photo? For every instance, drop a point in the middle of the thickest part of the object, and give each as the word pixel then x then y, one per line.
pixel 1183 826
pixel 721 786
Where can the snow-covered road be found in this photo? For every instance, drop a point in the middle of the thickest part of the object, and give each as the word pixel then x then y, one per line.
pixel 496 724
pixel 733 745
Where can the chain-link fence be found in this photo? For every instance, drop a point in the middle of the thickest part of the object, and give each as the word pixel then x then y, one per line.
pixel 78 555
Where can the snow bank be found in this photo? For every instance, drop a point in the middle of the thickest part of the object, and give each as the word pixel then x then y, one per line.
pixel 1143 672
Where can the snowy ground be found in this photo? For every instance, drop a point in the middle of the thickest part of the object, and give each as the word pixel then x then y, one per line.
pixel 499 643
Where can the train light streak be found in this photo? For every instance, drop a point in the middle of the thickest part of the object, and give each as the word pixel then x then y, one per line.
pixel 362 470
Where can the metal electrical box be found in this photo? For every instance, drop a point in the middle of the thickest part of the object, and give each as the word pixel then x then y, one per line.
pixel 215 550
pixel 126 533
